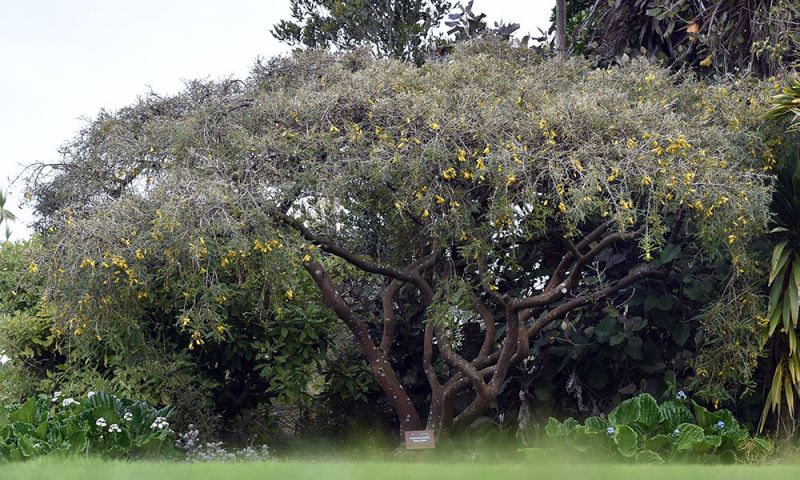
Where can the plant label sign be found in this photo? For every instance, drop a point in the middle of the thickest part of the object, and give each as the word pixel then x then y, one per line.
pixel 420 439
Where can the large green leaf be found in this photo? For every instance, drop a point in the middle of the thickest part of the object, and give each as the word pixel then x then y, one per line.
pixel 555 429
pixel 704 418
pixel 626 440
pixel 626 412
pixel 26 413
pixel 688 436
pixel 649 413
pixel 648 456
pixel 3 417
pixel 675 413
pixel 596 424
pixel 25 446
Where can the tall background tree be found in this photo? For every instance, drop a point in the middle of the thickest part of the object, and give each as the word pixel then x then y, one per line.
pixel 399 29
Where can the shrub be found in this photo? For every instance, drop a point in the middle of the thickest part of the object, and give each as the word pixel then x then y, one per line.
pixel 101 424
pixel 641 430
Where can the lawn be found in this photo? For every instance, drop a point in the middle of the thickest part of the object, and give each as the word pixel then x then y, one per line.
pixel 90 470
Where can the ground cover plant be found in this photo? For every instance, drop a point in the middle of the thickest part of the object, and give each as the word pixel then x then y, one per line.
pixel 642 430
pixel 100 424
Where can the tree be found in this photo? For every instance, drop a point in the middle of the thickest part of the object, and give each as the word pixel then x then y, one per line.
pixel 399 29
pixel 561 27
pixel 717 36
pixel 493 190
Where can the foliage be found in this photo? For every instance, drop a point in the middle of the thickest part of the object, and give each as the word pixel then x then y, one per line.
pixel 399 29
pixel 6 215
pixel 641 430
pixel 781 321
pixel 716 36
pixel 101 424
pixel 534 190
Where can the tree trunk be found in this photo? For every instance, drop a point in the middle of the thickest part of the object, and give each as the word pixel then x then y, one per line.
pixel 561 27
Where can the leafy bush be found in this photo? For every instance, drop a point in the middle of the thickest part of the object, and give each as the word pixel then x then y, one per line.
pixel 101 424
pixel 641 430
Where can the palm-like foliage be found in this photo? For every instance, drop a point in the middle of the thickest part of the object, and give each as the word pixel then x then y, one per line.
pixel 784 276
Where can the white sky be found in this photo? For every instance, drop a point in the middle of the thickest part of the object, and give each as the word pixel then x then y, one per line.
pixel 61 61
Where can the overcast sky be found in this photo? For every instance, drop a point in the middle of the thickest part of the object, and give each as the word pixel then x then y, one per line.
pixel 61 61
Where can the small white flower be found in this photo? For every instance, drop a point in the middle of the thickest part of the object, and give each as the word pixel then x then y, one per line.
pixel 69 402
pixel 128 416
pixel 101 422
pixel 114 428
pixel 681 395
pixel 55 396
pixel 90 395
pixel 160 423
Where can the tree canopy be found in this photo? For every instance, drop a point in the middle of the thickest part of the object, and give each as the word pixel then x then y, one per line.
pixel 494 189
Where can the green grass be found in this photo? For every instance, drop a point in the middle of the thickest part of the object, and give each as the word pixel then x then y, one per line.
pixel 99 470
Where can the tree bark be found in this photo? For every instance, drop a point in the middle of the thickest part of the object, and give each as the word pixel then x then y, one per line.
pixel 561 27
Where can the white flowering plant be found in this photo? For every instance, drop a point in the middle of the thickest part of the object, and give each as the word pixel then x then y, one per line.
pixel 98 424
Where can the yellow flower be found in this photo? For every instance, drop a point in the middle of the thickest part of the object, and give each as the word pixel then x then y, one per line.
pixel 625 204
pixel 434 126
pixel 289 295
pixel 562 207
pixel 220 329
pixel 510 180
pixel 542 124
pixel 88 262
pixel 439 199
pixel 487 150
pixel 688 177
pixel 449 174
pixel 731 239
pixel 480 164
pixel 33 268
pixel 647 181
pixel 185 320
pixel 425 213
pixel 306 258
pixel 462 155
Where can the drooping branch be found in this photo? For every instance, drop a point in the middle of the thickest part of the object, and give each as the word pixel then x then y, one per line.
pixel 576 302
pixel 365 264
pixel 554 292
